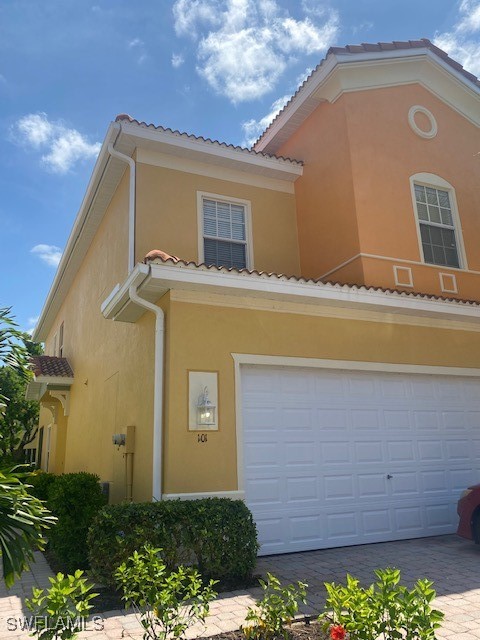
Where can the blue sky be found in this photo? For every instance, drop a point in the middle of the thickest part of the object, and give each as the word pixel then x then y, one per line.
pixel 217 68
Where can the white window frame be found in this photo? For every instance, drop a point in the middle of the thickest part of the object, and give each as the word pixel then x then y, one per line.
pixel 204 195
pixel 436 182
pixel 61 339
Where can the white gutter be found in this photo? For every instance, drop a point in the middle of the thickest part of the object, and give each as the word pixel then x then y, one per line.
pixel 158 389
pixel 131 202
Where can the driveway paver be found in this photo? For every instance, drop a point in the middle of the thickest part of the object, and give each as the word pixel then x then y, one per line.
pixel 452 563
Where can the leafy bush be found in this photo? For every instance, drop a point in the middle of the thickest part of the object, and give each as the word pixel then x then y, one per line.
pixel 40 482
pixel 75 499
pixel 384 609
pixel 61 612
pixel 270 615
pixel 23 520
pixel 217 535
pixel 166 603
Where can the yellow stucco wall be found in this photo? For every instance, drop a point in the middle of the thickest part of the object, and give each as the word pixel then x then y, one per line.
pixel 203 337
pixel 167 217
pixel 112 364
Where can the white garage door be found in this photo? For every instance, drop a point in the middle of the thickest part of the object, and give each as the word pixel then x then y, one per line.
pixel 334 458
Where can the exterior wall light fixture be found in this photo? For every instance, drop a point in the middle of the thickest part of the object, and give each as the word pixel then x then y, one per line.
pixel 205 410
pixel 203 404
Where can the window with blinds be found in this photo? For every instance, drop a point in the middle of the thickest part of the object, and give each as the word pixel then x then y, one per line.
pixel 224 234
pixel 437 228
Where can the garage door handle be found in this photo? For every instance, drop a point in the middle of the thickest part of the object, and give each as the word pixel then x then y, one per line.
pixel 389 477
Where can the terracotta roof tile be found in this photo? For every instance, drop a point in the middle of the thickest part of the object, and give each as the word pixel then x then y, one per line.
pixel 51 366
pixel 181 134
pixel 367 47
pixel 328 283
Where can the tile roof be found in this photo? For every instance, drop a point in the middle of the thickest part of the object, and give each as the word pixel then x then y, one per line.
pixel 365 47
pixel 51 367
pixel 122 117
pixel 163 258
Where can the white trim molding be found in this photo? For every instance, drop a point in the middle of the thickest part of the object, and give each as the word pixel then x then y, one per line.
pixel 432 132
pixel 374 256
pixel 64 398
pixel 240 359
pixel 347 72
pixel 448 282
pixel 403 276
pixel 201 195
pixel 233 495
pixel 219 172
pixel 157 279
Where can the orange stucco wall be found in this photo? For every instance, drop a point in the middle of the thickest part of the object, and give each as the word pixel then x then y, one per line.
pixel 360 153
pixel 325 196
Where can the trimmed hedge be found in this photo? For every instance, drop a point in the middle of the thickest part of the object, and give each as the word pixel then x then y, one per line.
pixel 217 535
pixel 75 499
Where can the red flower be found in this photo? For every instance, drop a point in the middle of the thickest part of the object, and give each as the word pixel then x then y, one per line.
pixel 337 632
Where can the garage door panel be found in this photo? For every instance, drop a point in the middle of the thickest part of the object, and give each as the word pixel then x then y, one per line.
pixel 372 485
pixel 397 419
pixel 332 418
pixel 320 445
pixel 376 522
pixel 399 451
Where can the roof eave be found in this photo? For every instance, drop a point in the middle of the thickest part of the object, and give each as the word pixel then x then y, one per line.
pixel 329 66
pixel 211 153
pixel 164 277
pixel 41 330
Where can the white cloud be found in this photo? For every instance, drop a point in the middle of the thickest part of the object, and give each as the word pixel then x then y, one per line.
pixel 31 324
pixel 191 14
pixel 244 46
pixel 138 46
pixel 253 128
pixel 463 42
pixel 49 253
pixel 177 60
pixel 63 147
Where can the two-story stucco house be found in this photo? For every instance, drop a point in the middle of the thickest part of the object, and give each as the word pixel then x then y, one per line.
pixel 296 325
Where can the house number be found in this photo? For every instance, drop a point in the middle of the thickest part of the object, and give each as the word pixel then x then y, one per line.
pixel 202 437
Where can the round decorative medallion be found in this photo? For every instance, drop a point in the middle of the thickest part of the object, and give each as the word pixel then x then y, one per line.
pixel 423 133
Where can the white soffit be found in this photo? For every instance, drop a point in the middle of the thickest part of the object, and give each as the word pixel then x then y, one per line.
pixel 181 146
pixel 157 279
pixel 342 73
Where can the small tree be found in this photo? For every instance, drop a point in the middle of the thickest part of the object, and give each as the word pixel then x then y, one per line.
pixel 23 518
pixel 19 421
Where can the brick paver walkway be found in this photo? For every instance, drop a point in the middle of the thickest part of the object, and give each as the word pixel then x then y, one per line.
pixel 452 563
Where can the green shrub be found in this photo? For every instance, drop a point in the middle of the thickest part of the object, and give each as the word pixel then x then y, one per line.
pixel 40 481
pixel 270 616
pixel 75 498
pixel 167 603
pixel 385 609
pixel 62 610
pixel 217 535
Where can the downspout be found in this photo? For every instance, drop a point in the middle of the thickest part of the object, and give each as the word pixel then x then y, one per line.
pixel 131 202
pixel 158 390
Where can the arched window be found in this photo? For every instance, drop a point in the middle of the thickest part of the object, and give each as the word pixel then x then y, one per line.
pixel 438 224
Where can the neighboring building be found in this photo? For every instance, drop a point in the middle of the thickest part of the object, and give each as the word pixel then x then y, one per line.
pixel 326 368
